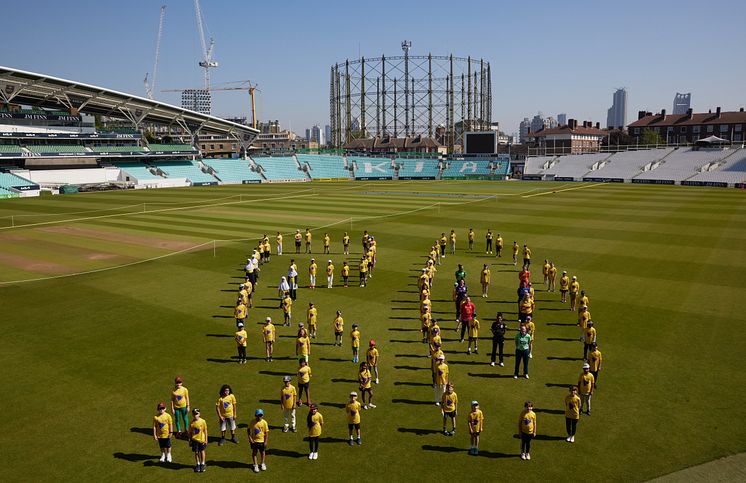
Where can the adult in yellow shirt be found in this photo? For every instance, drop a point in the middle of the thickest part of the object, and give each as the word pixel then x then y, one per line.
pixel 441 378
pixel 227 413
pixel 287 309
pixel 198 439
pixel 269 334
pixel 442 241
pixel 552 287
pixel 355 340
pixel 346 243
pixel 345 274
pixel 452 239
pixel 448 408
pixel 278 240
pixel 339 327
pixel 470 237
pixel 564 286
pixel 586 384
pixel 574 290
pixel 307 236
pixel 315 423
pixel 329 274
pixel 371 357
pixel 180 406
pixel 258 432
pixel 352 410
pixel 311 316
pixel 515 252
pixel 545 272
pixel 364 378
pixel 476 425
pixel 526 256
pixel 572 413
pixel 489 237
pixel 589 338
pixel 298 238
pixel 363 269
pixel 595 359
pixel 485 277
pixel 527 429
pixel 499 246
pixel 288 398
pixel 312 268
pixel 241 343
pixel 163 427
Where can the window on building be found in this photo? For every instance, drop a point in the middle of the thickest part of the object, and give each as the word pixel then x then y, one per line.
pixel 695 129
pixel 710 128
pixel 682 129
pixel 738 127
pixel 212 146
pixel 636 130
pixel 738 137
pixel 221 146
pixel 724 128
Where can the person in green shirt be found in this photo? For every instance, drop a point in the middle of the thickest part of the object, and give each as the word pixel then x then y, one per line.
pixel 523 345
pixel 460 273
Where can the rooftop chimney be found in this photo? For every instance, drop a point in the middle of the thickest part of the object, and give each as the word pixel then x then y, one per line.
pixel 641 114
pixel 598 125
pixel 717 113
pixel 740 110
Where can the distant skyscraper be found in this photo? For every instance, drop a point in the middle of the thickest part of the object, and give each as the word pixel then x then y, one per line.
pixel 523 129
pixel 682 103
pixel 537 123
pixel 198 100
pixel 327 133
pixel 308 134
pixel 317 135
pixel 550 123
pixel 616 116
pixel 562 119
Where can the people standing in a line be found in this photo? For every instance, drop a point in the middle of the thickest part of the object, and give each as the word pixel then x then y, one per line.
pixel 485 278
pixel 460 290
pixel 470 238
pixel 315 423
pixel 460 273
pixel 468 311
pixel 498 330
pixel 180 406
pixel 258 432
pixel 595 359
pixel 586 384
pixel 365 378
pixel 564 286
pixel 269 334
pixel 488 242
pixel 527 429
pixel 473 336
pixel 552 287
pixel 574 291
pixel 589 338
pixel 526 256
pixel 352 410
pixel 241 343
pixel 312 269
pixel 227 410
pixel 526 307
pixel 371 357
pixel 452 239
pixel 339 327
pixel 329 274
pixel 240 311
pixel 523 345
pixel 449 409
pixel 499 246
pixel 572 413
pixel 278 239
pixel 363 270
pixel 198 440
pixel 476 425
pixel 307 236
pixel 163 427
pixel 304 380
pixel 442 241
pixel 441 378
pixel 288 397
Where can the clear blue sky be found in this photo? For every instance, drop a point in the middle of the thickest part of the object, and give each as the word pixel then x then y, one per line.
pixel 553 56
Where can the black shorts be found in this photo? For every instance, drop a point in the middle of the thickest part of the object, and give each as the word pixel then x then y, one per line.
pixel 302 385
pixel 355 426
pixel 297 243
pixel 197 446
pixel 164 442
pixel 450 414
pixel 259 446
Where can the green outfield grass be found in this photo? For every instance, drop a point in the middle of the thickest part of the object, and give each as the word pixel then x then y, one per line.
pixel 86 357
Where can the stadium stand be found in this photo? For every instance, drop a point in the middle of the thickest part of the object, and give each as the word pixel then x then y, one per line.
pixel 117 149
pixel 537 164
pixel 280 168
pixel 187 148
pixel 138 171
pixel 232 171
pixel 10 149
pixel 10 180
pixel 459 168
pixel 574 166
pixel 323 166
pixel 371 168
pixel 501 168
pixel 727 172
pixel 626 164
pixel 680 165
pixel 7 193
pixel 57 148
pixel 425 168
pixel 184 168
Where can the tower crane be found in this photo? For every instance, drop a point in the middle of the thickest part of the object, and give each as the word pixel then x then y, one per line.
pixel 234 86
pixel 149 87
pixel 207 62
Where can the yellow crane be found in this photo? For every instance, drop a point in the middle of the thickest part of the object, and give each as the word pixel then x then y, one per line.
pixel 233 86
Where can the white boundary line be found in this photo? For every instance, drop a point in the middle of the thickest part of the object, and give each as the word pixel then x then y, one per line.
pixel 552 191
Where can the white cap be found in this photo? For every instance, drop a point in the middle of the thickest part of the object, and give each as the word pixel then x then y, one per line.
pixel 328 261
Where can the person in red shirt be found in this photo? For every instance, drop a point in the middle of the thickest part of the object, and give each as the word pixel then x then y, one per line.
pixel 467 313
pixel 524 275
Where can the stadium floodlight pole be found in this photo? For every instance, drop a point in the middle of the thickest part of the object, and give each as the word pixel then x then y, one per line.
pixel 405 46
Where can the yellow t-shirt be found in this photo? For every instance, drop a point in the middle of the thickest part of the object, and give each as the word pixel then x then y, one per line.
pixel 453 237
pixel 298 237
pixel 329 269
pixel 471 236
pixel 162 424
pixel 434 353
pixel 302 346
pixel 304 374
pixel 327 241
pixel 441 373
pixel 527 253
pixel 443 240
pixel 308 237
pixel 426 318
pixel 545 269
pixel 248 286
pixel 312 269
pixel 346 240
pixel 595 359
pixel 244 295
pixel 371 356
pixel 552 272
pixel 240 312
pixel 179 397
pixel 355 336
pixel 198 430
pixel 225 405
pixel 363 267
pixel 287 397
pixel 515 248
pixel 476 421
pixel 574 287
pixel 311 314
pixel 527 420
pixel 530 328
pixel 345 270
pixel 585 383
pixel 287 305
pixel 583 301
pixel 364 378
pixel 241 337
pixel 499 242
pixel 590 335
pixel 448 402
pixel 258 431
pixel 269 332
pixel 564 282
pixel 353 412
pixel 474 329
pixel 486 275
pixel 489 235
pixel 572 407
pixel 339 324
pixel 583 318
pixel 314 429
pixel 278 238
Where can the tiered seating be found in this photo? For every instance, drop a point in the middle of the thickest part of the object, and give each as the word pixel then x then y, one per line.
pixel 682 164
pixel 57 148
pixel 502 167
pixel 418 168
pixel 467 167
pixel 7 193
pixel 187 148
pixel 372 168
pixel 137 170
pixel 232 170
pixel 184 168
pixel 627 164
pixel 537 164
pixel 733 171
pixel 324 166
pixel 10 180
pixel 280 168
pixel 116 149
pixel 10 149
pixel 574 165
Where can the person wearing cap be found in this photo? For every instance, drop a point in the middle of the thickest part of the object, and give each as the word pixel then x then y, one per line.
pixel 327 243
pixel 441 378
pixel 435 351
pixel 371 357
pixel 287 310
pixel 312 269
pixel 227 413
pixel 433 335
pixel 198 439
pixel 180 406
pixel 339 327
pixel 484 278
pixel 574 291
pixel 329 274
pixel 476 425
pixel 267 249
pixel 564 286
pixel 527 429
pixel 526 256
pixel 595 359
pixel 245 293
pixel 364 379
pixel 269 334
pixel 315 423
pixel 363 270
pixel 352 409
pixel 308 237
pixel 552 283
pixel 586 384
pixel 304 379
pixel 258 432
pixel 240 311
pixel 346 243
pixel 426 322
pixel 589 337
pixel 298 237
pixel 448 408
pixel 355 339
pixel 241 342
pixel 345 274
pixel 572 413
pixel 498 329
pixel 584 316
pixel 278 240
pixel 288 398
pixel 530 330
pixel 311 316
pixel 303 344
pixel 163 426
pixel 523 343
pixel 470 237
pixel 488 240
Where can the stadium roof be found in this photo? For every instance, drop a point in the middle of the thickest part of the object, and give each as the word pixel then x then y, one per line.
pixel 39 90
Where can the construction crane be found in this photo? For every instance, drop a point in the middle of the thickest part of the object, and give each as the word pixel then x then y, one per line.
pixel 233 86
pixel 149 88
pixel 206 63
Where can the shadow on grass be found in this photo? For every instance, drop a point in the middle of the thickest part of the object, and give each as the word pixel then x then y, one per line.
pixel 401 341
pixel 285 453
pixel 268 307
pixel 149 460
pixel 407 291
pixel 223 317
pixel 273 373
pixel 411 356
pixel 329 439
pixel 568 324
pixel 490 375
pixel 321 343
pixel 469 363
pixel 402 302
pixel 134 456
pixel 549 411
pixel 333 359
pixel 399 329
pixel 552 384
pixel 352 381
pixel 411 401
pixel 410 383
pixel 418 431
pixel 228 464
pixel 442 449
pixel 410 368
pixel 545 437
pixel 402 318
pixel 148 431
pixel 226 336
pixel 552 309
pixel 333 404
pixel 551 358
pixel 563 339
